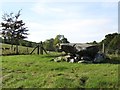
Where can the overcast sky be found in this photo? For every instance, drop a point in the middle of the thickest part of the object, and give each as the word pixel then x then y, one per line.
pixel 79 21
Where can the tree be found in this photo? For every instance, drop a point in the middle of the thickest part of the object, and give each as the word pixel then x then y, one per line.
pixel 64 40
pixel 60 39
pixel 13 28
pixel 108 38
pixel 29 44
pixel 114 44
pixel 51 44
pixel 48 44
pixel 94 42
pixel 111 43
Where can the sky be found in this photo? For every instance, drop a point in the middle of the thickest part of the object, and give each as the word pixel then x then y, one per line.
pixel 80 21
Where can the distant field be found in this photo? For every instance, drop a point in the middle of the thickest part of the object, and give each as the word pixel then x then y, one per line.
pixel 37 71
pixel 22 49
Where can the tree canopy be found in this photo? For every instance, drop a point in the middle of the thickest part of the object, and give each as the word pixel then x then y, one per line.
pixel 112 43
pixel 13 29
pixel 50 44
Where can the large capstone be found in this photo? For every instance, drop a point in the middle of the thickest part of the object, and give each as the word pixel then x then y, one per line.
pixel 80 49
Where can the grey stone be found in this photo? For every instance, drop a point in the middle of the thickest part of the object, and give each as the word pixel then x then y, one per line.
pixel 79 48
pixel 99 57
pixel 72 61
pixel 84 61
pixel 67 58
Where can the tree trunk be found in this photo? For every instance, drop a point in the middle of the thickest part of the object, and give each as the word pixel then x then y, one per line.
pixel 12 43
pixel 5 40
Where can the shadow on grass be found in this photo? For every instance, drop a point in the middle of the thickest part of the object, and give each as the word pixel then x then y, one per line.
pixel 59 68
pixel 113 60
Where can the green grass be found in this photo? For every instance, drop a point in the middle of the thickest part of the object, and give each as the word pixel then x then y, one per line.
pixel 37 71
pixel 22 50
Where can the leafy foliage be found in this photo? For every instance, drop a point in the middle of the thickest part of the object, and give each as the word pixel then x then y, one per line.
pixel 112 43
pixel 13 29
pixel 115 43
pixel 50 44
pixel 108 38
pixel 60 39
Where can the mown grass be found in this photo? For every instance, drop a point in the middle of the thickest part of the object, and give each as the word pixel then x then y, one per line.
pixel 38 71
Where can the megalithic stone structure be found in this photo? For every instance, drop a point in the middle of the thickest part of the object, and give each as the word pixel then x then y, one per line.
pixel 80 49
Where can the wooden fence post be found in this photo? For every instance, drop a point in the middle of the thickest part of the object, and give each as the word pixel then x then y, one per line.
pixel 116 53
pixel 103 48
pixel 38 49
pixel 41 48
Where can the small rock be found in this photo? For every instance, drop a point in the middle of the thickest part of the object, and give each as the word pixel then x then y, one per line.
pixel 72 60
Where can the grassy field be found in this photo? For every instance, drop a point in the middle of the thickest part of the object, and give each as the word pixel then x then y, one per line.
pixel 22 50
pixel 37 71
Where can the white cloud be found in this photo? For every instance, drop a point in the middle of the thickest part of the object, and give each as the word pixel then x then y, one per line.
pixel 56 9
pixel 70 24
pixel 43 8
pixel 74 30
pixel 53 6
